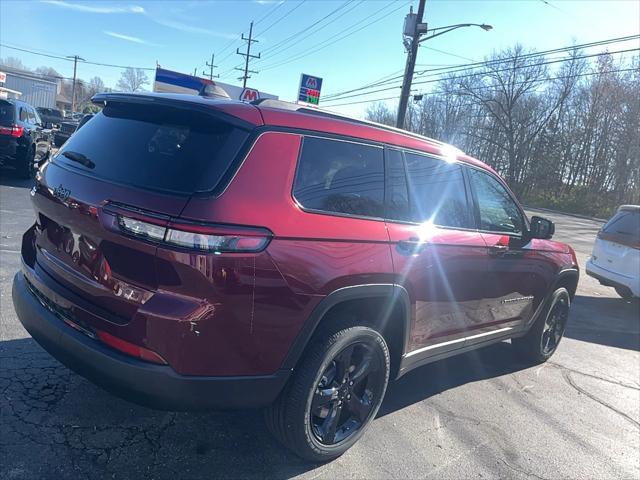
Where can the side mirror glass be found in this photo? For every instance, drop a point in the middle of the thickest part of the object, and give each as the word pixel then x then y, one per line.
pixel 541 228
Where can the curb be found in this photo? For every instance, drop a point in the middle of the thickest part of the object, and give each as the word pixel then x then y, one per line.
pixel 576 215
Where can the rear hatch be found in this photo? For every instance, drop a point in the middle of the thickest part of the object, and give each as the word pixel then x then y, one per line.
pixel 7 124
pixel 617 247
pixel 135 159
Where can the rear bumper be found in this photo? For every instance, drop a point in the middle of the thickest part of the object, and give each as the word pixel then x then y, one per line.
pixel 612 279
pixel 155 386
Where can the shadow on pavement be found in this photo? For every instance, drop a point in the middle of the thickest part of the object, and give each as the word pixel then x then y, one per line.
pixel 46 406
pixel 605 320
pixel 417 385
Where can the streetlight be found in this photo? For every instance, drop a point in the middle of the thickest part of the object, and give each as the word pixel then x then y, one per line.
pixel 448 28
pixel 414 28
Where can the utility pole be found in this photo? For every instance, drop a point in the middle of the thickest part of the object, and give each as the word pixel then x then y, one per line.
pixel 412 51
pixel 73 87
pixel 195 72
pixel 247 56
pixel 211 66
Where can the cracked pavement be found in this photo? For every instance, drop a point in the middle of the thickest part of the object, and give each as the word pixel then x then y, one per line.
pixel 479 415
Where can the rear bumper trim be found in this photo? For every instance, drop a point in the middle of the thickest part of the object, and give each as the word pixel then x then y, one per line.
pixel 155 386
pixel 612 279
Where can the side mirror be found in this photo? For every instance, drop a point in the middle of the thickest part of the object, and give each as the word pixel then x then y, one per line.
pixel 541 228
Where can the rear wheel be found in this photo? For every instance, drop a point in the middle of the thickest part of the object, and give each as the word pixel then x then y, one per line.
pixel 624 292
pixel 27 168
pixel 544 336
pixel 333 395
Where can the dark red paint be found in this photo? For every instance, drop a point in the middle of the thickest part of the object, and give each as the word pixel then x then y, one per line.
pixel 239 313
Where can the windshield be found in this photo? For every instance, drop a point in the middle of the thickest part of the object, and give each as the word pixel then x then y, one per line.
pixel 156 148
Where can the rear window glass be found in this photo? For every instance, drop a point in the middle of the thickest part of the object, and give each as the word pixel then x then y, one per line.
pixel 625 224
pixel 340 176
pixel 7 113
pixel 156 148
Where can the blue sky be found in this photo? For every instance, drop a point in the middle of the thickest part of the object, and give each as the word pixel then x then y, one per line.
pixel 181 35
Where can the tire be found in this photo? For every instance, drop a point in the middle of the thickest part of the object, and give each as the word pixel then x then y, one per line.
pixel 624 292
pixel 26 168
pixel 323 393
pixel 543 338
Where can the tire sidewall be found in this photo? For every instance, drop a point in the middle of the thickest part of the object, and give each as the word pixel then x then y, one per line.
pixel 356 335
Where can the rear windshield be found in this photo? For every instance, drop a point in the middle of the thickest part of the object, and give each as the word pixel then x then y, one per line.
pixel 154 147
pixel 7 113
pixel 624 224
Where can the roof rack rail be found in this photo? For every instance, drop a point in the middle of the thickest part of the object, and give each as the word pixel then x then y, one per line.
pixel 294 107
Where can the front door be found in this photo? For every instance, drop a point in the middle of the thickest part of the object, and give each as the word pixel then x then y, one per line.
pixel 438 255
pixel 518 275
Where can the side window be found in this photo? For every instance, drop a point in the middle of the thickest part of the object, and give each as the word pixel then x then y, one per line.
pixel 397 194
pixel 437 192
pixel 498 211
pixel 23 114
pixel 36 118
pixel 32 116
pixel 340 176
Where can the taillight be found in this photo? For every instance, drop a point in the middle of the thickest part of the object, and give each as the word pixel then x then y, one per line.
pixel 141 228
pixel 204 238
pixel 12 131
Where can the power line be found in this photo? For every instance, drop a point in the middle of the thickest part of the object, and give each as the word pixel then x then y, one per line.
pixel 289 45
pixel 443 92
pixel 327 43
pixel 282 17
pixel 71 59
pixel 465 67
pixel 270 12
pixel 484 73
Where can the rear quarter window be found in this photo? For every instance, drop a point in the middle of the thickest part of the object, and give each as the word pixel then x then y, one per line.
pixel 624 224
pixel 156 148
pixel 340 176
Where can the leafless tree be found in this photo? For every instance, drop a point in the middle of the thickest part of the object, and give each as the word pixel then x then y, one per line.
pixel 132 80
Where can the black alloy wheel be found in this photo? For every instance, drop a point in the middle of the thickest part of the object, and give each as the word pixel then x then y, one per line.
pixel 554 325
pixel 346 393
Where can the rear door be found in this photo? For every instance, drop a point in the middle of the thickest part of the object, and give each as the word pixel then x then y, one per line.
pixel 438 255
pixel 130 162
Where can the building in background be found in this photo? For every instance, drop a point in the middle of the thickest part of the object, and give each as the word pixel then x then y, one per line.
pixel 29 87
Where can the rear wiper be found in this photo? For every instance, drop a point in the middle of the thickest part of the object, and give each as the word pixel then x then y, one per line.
pixel 80 158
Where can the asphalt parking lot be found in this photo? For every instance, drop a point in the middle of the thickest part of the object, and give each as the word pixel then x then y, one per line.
pixel 480 415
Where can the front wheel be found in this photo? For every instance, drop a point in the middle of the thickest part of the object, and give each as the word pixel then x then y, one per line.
pixel 333 395
pixel 544 336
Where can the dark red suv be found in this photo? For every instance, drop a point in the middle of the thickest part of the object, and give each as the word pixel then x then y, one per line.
pixel 190 253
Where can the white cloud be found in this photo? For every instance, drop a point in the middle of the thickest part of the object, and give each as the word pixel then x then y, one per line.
pixel 183 27
pixel 94 8
pixel 268 2
pixel 129 38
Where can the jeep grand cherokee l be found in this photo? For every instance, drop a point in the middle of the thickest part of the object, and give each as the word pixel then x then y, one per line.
pixel 191 253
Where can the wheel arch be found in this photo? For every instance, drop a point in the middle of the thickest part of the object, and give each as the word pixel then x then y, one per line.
pixel 395 304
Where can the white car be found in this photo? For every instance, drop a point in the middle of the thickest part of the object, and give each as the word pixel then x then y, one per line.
pixel 615 259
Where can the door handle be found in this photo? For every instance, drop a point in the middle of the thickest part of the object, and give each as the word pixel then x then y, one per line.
pixel 498 250
pixel 412 245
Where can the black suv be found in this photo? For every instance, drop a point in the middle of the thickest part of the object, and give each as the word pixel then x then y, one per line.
pixel 24 141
